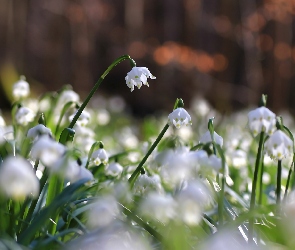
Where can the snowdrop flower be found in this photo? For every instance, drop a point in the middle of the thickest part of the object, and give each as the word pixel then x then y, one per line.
pixel 100 156
pixel 230 239
pixel 21 89
pixel 24 116
pixel 192 199
pixel 146 183
pixel 47 150
pixel 67 96
pixel 67 167
pixel 117 236
pixel 212 162
pixel 278 145
pixel 177 168
pixel 237 158
pixel 17 178
pixel 138 76
pixel 261 120
pixel 38 130
pixel 83 118
pixel 84 137
pixel 179 117
pixel 103 212
pixel 205 138
pixel 158 206
pixel 114 169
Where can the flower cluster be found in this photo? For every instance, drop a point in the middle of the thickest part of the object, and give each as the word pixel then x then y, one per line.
pixel 89 179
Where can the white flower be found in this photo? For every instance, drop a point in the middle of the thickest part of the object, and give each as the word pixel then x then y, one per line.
pixel 278 145
pixel 177 168
pixel 21 89
pixel 159 207
pixel 47 150
pixel 84 137
pixel 114 169
pixel 67 167
pixel 179 117
pixel 261 120
pixel 100 156
pixel 24 116
pixel 103 212
pixel 192 199
pixel 67 96
pixel 83 118
pixel 205 138
pixel 17 178
pixel 38 130
pixel 138 76
pixel 145 183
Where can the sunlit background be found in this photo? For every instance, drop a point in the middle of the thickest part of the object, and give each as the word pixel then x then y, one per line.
pixel 229 52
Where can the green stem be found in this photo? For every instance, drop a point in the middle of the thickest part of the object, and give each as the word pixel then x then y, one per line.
pixel 55 187
pixel 288 180
pixel 79 112
pixel 254 184
pixel 279 175
pixel 65 108
pixel 261 183
pixel 222 190
pixel 140 222
pixel 29 215
pixel 136 172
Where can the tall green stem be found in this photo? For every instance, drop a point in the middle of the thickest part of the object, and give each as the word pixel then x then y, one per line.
pixel 288 180
pixel 254 184
pixel 97 84
pixel 261 183
pixel 136 172
pixel 221 194
pixel 279 175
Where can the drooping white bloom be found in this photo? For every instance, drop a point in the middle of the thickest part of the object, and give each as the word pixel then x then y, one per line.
pixel 179 117
pixel 278 145
pixel 177 168
pixel 159 207
pixel 100 156
pixel 47 150
pixel 21 89
pixel 138 76
pixel 24 116
pixel 146 183
pixel 117 236
pixel 84 137
pixel 114 169
pixel 261 120
pixel 192 199
pixel 17 178
pixel 67 96
pixel 83 173
pixel 205 138
pixel 38 130
pixel 83 118
pixel 103 212
pixel 67 167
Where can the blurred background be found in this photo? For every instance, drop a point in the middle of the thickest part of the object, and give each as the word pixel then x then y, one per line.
pixel 228 51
